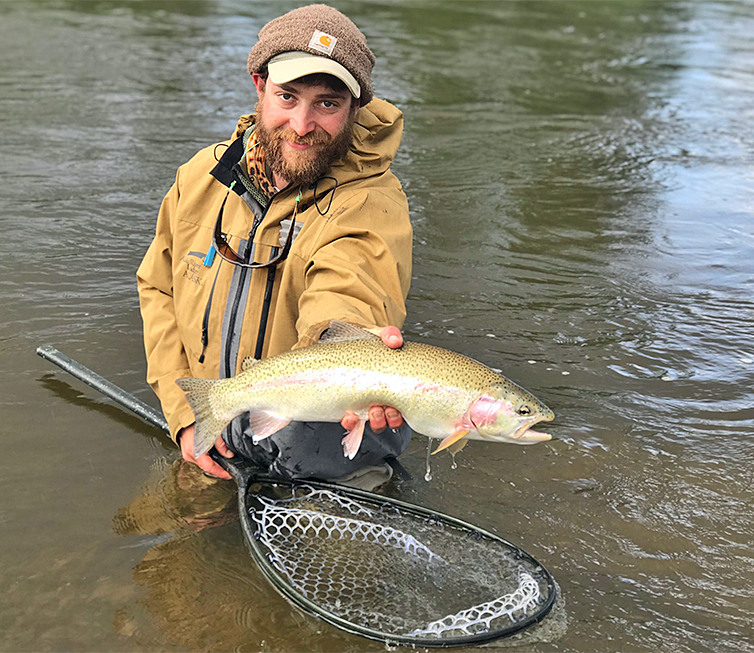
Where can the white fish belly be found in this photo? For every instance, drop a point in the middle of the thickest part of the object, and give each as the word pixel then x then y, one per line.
pixel 327 395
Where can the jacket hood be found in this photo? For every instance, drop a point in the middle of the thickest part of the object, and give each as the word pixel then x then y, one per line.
pixel 377 134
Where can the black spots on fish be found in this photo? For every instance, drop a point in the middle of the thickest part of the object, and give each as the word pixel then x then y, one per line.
pixel 449 365
pixel 201 389
pixel 425 363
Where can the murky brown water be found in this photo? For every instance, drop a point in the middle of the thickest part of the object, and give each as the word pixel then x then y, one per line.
pixel 581 182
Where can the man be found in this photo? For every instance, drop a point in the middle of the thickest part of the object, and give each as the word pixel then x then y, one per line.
pixel 263 239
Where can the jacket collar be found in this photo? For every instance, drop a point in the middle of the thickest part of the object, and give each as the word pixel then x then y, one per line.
pixel 226 172
pixel 223 171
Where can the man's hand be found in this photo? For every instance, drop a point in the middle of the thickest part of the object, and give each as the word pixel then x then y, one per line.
pixel 380 417
pixel 186 441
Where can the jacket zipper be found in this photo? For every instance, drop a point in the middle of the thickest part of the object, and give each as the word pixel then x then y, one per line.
pixel 207 308
pixel 239 293
pixel 267 301
pixel 267 294
pixel 266 307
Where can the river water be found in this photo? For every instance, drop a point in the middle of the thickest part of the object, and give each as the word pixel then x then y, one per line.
pixel 581 179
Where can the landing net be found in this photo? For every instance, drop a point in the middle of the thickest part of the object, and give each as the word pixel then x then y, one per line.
pixel 395 574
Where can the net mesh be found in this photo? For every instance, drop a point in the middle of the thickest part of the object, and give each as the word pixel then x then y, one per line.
pixel 392 571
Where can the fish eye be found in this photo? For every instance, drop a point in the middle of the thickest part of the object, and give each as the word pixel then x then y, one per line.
pixel 524 410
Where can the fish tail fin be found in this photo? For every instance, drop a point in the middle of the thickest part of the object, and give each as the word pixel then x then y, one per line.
pixel 208 426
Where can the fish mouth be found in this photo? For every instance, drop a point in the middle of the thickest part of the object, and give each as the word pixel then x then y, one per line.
pixel 524 435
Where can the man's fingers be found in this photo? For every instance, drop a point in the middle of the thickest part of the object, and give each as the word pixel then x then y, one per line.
pixel 222 448
pixel 205 462
pixel 349 421
pixel 377 420
pixel 393 417
pixel 186 443
pixel 208 465
pixel 391 337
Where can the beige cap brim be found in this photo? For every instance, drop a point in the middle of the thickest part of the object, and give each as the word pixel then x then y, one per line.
pixel 288 66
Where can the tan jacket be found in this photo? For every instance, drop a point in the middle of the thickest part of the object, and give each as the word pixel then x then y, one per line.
pixel 351 260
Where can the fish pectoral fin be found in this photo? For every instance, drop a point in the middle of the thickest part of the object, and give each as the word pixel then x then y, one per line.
pixel 454 448
pixel 263 425
pixel 451 439
pixel 352 441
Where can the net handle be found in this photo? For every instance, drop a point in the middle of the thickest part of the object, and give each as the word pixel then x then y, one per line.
pixel 107 388
pixel 242 473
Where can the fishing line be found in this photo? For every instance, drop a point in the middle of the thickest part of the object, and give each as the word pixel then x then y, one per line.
pixel 371 565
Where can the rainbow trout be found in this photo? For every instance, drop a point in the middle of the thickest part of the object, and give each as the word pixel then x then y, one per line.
pixel 440 393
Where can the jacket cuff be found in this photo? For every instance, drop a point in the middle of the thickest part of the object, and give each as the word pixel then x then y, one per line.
pixel 312 334
pixel 180 420
pixel 175 407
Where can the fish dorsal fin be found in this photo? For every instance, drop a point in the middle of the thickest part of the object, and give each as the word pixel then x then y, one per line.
pixel 247 363
pixel 339 331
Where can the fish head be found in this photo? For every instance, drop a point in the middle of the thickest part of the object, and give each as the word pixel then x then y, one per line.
pixel 506 413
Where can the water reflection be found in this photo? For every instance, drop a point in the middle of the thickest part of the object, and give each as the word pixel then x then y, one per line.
pixel 201 588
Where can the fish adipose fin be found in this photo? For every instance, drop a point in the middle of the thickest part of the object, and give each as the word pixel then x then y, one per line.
pixel 263 425
pixel 352 441
pixel 248 362
pixel 452 439
pixel 208 427
pixel 339 331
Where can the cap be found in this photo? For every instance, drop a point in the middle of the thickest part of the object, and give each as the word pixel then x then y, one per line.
pixel 322 33
pixel 288 66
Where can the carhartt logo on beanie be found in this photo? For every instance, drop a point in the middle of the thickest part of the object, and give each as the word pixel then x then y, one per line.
pixel 322 31
pixel 322 42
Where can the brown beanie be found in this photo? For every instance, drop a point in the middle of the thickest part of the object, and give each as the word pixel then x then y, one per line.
pixel 294 31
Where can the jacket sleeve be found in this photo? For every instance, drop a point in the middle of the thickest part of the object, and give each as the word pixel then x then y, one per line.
pixel 361 269
pixel 166 357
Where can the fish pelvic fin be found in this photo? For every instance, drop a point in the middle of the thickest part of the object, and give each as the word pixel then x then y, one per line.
pixel 208 426
pixel 452 439
pixel 352 441
pixel 263 425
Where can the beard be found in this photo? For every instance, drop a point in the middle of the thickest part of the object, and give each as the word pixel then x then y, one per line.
pixel 302 167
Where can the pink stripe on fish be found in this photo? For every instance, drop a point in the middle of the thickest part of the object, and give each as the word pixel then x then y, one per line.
pixel 307 377
pixel 347 377
pixel 429 387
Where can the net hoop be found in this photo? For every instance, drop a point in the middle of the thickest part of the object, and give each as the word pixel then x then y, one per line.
pixel 249 501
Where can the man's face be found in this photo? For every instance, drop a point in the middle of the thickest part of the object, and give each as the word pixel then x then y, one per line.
pixel 303 129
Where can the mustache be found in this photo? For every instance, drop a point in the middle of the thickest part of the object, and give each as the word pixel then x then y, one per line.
pixel 312 138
